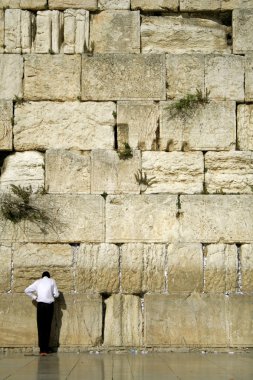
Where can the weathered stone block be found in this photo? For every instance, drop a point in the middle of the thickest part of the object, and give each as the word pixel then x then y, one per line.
pixel 5 267
pixel 24 169
pixel 112 175
pixel 245 126
pixel 6 115
pixel 121 77
pixel 185 268
pixel 242 31
pixel 76 31
pixel 184 321
pixel 12 29
pixel 229 172
pixel 11 73
pixel 24 4
pixel 141 218
pixel 174 172
pixel 190 69
pixel 123 321
pixel 155 5
pixel 220 269
pixel 216 218
pixel 234 4
pixel 29 263
pixel 43 32
pixel 27 22
pixel 141 121
pixel 169 34
pixel 113 4
pixel 211 126
pixel 224 77
pixel 98 268
pixel 57 26
pixel 203 5
pixel 249 78
pixel 52 77
pixel 79 126
pixel 143 268
pixel 240 310
pixel 90 5
pixel 246 258
pixel 67 172
pixel 116 32
pixel 1 31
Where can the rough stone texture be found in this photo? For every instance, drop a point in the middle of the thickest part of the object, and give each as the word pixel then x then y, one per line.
pixel 141 122
pixel 80 126
pixel 185 74
pixel 76 31
pixel 234 4
pixel 52 77
pixel 5 267
pixel 1 31
pixel 169 34
pixel 141 218
pixel 123 77
pixel 11 73
pixel 29 262
pixel 24 169
pixel 72 218
pixel 24 4
pixel 155 5
pixel 90 5
pixel 67 171
pixel 203 5
pixel 6 111
pixel 27 22
pixel 229 172
pixel 196 320
pixel 143 268
pixel 115 32
pixel 43 32
pixel 112 175
pixel 246 258
pixel 12 29
pixel 245 126
pixel 123 321
pixel 210 126
pixel 224 77
pixel 174 172
pixel 240 310
pixel 249 78
pixel 113 4
pixel 216 218
pixel 242 31
pixel 185 268
pixel 220 271
pixel 98 268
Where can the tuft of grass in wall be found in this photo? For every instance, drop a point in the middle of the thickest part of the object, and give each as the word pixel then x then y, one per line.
pixel 188 104
pixel 126 152
pixel 143 181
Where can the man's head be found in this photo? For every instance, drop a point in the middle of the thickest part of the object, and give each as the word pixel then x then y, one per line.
pixel 46 274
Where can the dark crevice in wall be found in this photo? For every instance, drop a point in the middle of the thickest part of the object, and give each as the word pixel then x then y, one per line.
pixel 104 296
pixel 116 137
pixel 3 155
pixel 239 273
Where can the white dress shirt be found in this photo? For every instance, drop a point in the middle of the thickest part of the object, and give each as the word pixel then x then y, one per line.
pixel 43 290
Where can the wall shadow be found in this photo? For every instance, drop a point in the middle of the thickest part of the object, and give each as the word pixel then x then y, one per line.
pixel 59 306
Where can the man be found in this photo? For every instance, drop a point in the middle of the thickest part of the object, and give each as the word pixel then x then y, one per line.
pixel 44 291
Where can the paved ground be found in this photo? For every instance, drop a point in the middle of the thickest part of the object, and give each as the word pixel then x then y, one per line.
pixel 128 366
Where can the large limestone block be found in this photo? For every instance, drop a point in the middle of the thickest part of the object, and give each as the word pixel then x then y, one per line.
pixel 113 4
pixel 211 126
pixel 155 5
pixel 184 321
pixel 141 218
pixel 224 77
pixel 73 125
pixel 185 268
pixel 245 126
pixel 52 77
pixel 174 172
pixel 143 268
pixel 169 34
pixel 24 4
pixel 11 74
pixel 249 78
pixel 123 77
pixel 5 267
pixel 43 32
pixel 216 218
pixel 234 4
pixel 19 30
pixel 185 74
pixel 90 5
pixel 6 115
pixel 116 31
pixel 140 119
pixel 67 171
pixel 242 31
pixel 229 172
pixel 17 321
pixel 240 311
pixel 72 218
pixel 220 269
pixel 97 268
pixel 123 321
pixel 31 260
pixel 246 258
pixel 203 5
pixel 112 175
pixel 76 31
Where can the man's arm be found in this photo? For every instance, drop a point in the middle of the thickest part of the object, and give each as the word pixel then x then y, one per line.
pixel 30 290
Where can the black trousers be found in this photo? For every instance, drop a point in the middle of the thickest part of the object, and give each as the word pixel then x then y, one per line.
pixel 45 313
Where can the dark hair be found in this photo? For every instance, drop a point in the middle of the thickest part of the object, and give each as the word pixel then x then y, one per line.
pixel 46 274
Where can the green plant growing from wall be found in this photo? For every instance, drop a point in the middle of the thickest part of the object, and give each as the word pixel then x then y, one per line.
pixel 188 104
pixel 143 181
pixel 126 152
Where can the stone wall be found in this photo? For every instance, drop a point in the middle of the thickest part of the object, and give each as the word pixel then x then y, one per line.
pixel 89 99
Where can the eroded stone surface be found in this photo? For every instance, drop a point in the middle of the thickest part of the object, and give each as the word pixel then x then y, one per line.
pixel 1 31
pixel 24 4
pixel 11 73
pixel 90 5
pixel 240 308
pixel 6 111
pixel 242 30
pixel 203 5
pixel 80 126
pixel 43 32
pixel 76 31
pixel 245 126
pixel 246 258
pixel 248 78
pixel 113 4
pixel 155 5
pixel 234 4
pixel 12 29
pixel 5 267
